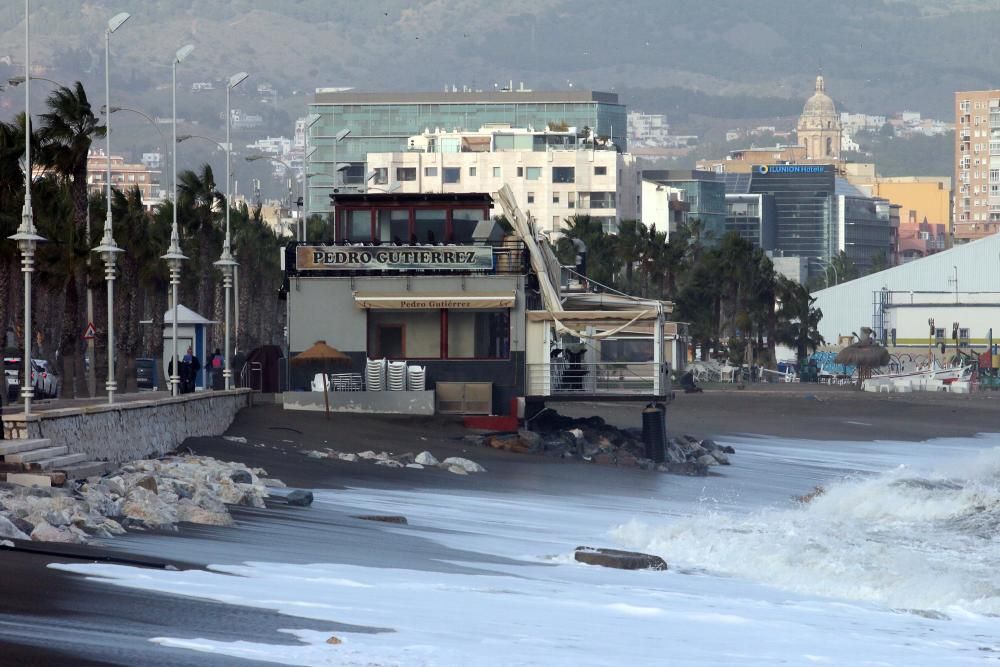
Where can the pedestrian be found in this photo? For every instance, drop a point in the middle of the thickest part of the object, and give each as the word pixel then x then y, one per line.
pixel 214 368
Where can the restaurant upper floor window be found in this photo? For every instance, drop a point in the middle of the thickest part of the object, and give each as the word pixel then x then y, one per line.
pixel 452 174
pixel 406 173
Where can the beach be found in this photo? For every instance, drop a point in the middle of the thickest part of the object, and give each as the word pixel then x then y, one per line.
pixel 483 571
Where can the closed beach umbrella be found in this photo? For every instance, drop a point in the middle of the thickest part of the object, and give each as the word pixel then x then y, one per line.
pixel 865 355
pixel 324 356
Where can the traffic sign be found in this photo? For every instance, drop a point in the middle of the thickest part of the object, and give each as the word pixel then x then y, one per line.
pixel 90 333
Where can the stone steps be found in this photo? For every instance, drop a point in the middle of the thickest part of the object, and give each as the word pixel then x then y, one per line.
pixel 86 469
pixel 57 462
pixel 37 454
pixel 17 446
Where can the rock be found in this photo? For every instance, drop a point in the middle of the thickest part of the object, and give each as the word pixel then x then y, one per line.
pixel 241 476
pixel 621 560
pixel 274 483
pixel 350 458
pixel 299 498
pixel 313 454
pixel 415 465
pixel 115 485
pixel 720 456
pixel 818 490
pixel 384 518
pixel 728 450
pixel 458 470
pixel 147 482
pixel 604 458
pixel 404 458
pixel 235 438
pixel 466 464
pixel 145 506
pixel 647 464
pixel 22 525
pixel 425 458
pixel 691 468
pixel 6 543
pixel 626 459
pixel 369 454
pixel 191 513
pixel 576 433
pixel 474 440
pixel 707 460
pixel 43 532
pixel 57 518
pixel 390 463
pixel 8 529
pixel 333 640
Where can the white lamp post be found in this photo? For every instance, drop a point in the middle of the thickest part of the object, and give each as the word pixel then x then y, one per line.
pixel 226 262
pixel 108 250
pixel 26 237
pixel 174 255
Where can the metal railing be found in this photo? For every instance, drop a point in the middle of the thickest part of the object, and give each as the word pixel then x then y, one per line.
pixel 597 379
pixel 252 376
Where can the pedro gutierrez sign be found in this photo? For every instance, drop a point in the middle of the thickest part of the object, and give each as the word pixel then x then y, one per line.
pixel 381 258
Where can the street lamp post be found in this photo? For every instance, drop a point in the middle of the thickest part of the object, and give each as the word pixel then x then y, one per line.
pixel 226 262
pixel 828 266
pixel 26 237
pixel 108 250
pixel 174 256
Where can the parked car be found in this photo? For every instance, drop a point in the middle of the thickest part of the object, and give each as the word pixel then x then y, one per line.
pixel 44 381
pixel 12 375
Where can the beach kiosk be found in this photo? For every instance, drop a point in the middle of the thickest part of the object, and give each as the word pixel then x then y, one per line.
pixel 192 331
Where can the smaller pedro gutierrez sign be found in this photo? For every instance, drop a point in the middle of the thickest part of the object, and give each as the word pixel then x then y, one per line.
pixel 393 258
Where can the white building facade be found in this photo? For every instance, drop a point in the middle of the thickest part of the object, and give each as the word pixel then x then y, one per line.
pixel 554 175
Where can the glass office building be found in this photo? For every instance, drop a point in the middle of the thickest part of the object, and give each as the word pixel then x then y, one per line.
pixel 704 191
pixel 752 217
pixel 383 122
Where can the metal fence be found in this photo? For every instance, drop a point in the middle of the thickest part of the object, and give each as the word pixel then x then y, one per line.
pixel 582 379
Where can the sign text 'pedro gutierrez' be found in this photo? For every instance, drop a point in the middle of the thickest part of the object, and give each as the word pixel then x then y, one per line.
pixel 393 258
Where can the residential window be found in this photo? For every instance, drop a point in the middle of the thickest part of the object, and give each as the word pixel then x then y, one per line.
pixel 520 172
pixel 563 175
pixel 533 173
pixel 496 172
pixel 555 197
pixel 452 174
pixel 531 197
pixel 381 176
pixel 600 171
pixel 571 199
pixel 406 173
pixel 472 171
pixel 430 171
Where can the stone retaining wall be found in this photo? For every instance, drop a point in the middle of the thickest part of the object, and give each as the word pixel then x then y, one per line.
pixel 133 430
pixel 370 402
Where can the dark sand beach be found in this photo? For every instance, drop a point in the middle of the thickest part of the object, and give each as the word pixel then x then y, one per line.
pixel 50 618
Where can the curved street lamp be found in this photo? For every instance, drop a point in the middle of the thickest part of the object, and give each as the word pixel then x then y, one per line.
pixel 26 236
pixel 227 263
pixel 174 256
pixel 108 250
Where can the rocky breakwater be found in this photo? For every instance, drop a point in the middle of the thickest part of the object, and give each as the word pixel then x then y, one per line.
pixel 595 441
pixel 154 493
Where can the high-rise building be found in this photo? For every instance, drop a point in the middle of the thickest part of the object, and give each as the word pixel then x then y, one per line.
pixel 977 165
pixel 383 123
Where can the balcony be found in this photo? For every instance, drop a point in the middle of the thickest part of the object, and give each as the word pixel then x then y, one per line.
pixel 611 380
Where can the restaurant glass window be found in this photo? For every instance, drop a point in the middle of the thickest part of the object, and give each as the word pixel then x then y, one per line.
pixel 404 334
pixel 394 226
pixel 356 226
pixel 463 223
pixel 429 226
pixel 478 334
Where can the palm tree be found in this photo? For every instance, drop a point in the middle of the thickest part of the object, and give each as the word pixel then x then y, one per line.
pixel 798 321
pixel 65 135
pixel 198 202
pixel 11 198
pixel 630 245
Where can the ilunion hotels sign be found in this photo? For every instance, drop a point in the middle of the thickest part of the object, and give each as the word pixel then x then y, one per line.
pixel 791 169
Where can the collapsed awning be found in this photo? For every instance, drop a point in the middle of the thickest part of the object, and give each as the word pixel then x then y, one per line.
pixel 411 301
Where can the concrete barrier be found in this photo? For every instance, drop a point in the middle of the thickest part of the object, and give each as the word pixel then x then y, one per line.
pixel 371 402
pixel 131 430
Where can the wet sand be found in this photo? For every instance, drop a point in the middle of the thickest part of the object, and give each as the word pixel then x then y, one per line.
pixel 50 617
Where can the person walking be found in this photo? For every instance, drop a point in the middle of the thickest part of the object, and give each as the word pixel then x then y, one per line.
pixel 213 370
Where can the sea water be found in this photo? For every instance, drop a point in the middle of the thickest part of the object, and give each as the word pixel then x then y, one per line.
pixel 893 563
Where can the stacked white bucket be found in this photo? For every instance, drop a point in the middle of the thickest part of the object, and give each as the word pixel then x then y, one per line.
pixel 416 378
pixel 375 375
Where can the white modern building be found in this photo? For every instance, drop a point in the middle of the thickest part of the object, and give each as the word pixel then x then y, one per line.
pixel 651 129
pixel 662 207
pixel 553 174
pixel 958 285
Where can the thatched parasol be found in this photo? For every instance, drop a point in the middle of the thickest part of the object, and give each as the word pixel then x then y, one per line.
pixel 323 355
pixel 866 355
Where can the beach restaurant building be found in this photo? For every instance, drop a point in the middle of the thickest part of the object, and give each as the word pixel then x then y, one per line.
pixel 431 280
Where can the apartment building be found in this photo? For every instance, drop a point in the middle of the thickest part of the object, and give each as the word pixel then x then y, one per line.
pixel 977 165
pixel 554 174
pixel 124 177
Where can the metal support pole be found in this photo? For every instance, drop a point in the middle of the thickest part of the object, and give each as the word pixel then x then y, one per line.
pixel 227 373
pixel 109 276
pixel 175 281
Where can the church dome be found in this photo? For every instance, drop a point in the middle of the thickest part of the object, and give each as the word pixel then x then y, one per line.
pixel 820 104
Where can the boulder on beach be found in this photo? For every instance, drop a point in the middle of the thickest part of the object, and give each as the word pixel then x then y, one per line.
pixel 620 560
pixel 465 464
pixel 426 459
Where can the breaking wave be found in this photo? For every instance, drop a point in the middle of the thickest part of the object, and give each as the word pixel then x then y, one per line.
pixel 906 539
